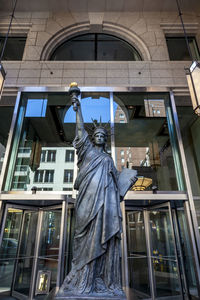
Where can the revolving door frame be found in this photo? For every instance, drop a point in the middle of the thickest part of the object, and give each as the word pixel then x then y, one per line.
pixel 63 241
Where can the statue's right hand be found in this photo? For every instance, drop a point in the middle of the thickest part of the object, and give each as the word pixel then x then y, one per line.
pixel 75 103
pixel 75 107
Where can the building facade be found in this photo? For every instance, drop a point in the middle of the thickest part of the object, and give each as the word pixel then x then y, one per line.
pixel 129 60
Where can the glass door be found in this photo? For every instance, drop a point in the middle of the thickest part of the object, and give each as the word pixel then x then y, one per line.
pixel 25 255
pixel 38 253
pixel 163 253
pixel 152 254
pixel 137 255
pixel 9 241
pixel 48 252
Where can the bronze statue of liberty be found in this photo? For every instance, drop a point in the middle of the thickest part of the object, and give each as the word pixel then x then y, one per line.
pixel 96 265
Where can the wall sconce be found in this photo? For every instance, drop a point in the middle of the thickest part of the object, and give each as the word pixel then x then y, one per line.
pixel 2 78
pixel 193 79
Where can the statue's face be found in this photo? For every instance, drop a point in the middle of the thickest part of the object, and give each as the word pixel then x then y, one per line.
pixel 99 139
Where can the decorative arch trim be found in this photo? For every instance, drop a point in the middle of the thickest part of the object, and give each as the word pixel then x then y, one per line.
pixel 83 28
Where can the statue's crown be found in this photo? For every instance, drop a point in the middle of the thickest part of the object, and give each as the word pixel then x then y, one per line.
pixel 99 128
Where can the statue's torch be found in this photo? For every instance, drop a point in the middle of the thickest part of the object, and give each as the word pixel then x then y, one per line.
pixel 74 92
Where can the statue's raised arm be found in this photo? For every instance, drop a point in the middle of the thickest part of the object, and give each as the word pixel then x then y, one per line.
pixel 74 92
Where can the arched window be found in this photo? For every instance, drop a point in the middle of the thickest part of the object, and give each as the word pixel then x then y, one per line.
pixel 95 46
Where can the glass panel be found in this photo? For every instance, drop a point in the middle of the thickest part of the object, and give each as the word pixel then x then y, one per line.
pixel 68 255
pixel 42 147
pixel 95 47
pixel 8 248
pixel 36 108
pixel 48 265
pixel 50 234
pixel 189 125
pixel 112 48
pixel 49 246
pixel 137 255
pixel 5 122
pixel 26 253
pixel 143 140
pixel 163 254
pixel 187 253
pixel 78 48
pixel 14 48
pixel 178 49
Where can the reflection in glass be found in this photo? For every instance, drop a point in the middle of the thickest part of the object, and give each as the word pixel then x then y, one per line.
pixel 50 235
pixel 187 253
pixel 43 282
pixel 68 255
pixel 5 122
pixel 36 108
pixel 92 109
pixel 142 139
pixel 51 266
pixel 23 275
pixel 9 245
pixel 163 254
pixel 26 253
pixel 189 125
pixel 137 255
pixel 95 47
pixel 43 140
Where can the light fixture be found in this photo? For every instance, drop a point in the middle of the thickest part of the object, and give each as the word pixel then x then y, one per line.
pixel 192 73
pixel 193 79
pixel 2 71
pixel 142 183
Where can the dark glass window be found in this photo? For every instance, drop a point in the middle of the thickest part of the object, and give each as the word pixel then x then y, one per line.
pixel 38 177
pixel 44 189
pixel 69 156
pixel 95 47
pixel 49 175
pixel 44 176
pixel 68 176
pixel 43 156
pixel 178 49
pixel 51 155
pixel 48 156
pixel 14 48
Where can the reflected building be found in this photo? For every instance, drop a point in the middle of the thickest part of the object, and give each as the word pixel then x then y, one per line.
pixel 129 62
pixel 54 171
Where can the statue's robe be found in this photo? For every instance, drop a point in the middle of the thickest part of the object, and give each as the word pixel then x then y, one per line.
pixel 96 249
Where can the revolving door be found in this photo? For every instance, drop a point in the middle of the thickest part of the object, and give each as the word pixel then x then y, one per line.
pixel 159 253
pixel 34 243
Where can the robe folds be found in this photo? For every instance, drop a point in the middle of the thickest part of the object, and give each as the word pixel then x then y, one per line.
pixel 96 249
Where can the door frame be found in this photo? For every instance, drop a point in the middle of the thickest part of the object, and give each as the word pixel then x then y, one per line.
pixel 182 282
pixel 63 223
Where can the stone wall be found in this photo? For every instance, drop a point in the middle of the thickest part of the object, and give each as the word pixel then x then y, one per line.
pixel 144 30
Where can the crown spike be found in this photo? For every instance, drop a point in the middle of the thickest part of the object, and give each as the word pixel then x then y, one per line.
pixel 94 123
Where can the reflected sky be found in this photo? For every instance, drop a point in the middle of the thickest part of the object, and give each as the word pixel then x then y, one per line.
pixel 36 108
pixel 91 109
